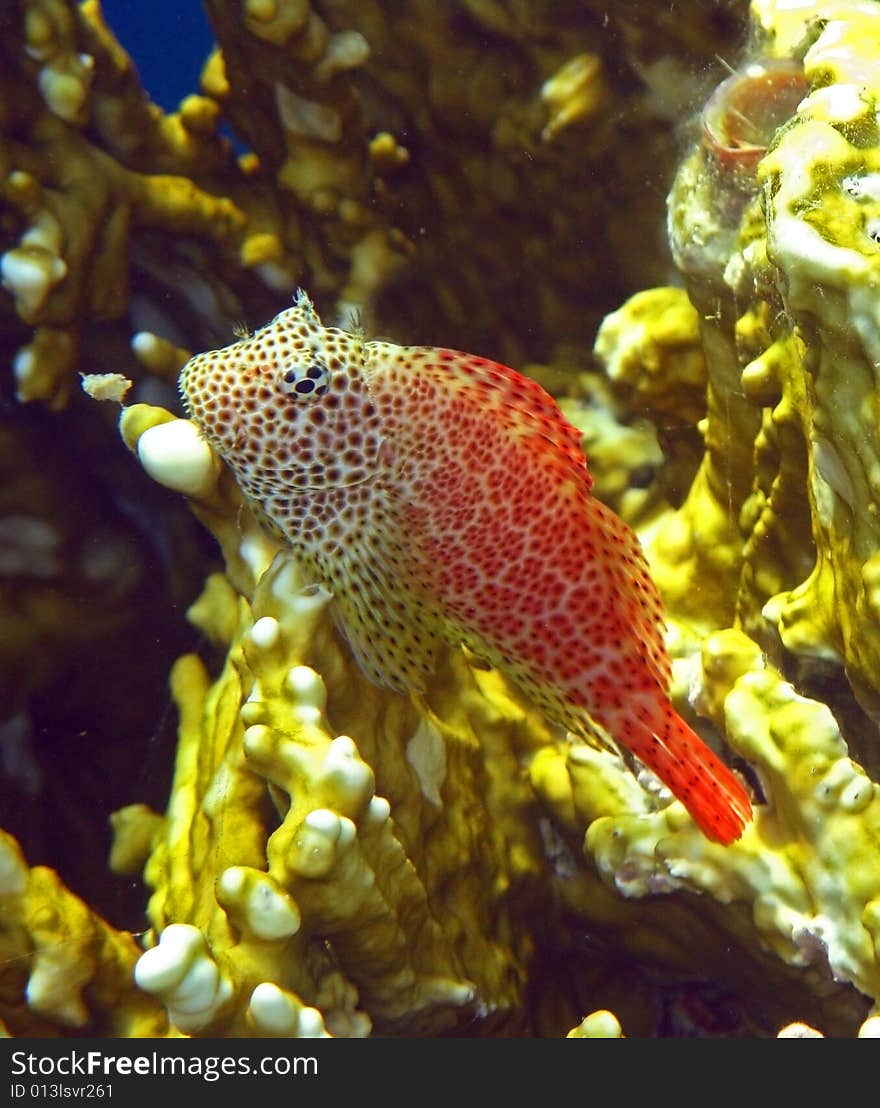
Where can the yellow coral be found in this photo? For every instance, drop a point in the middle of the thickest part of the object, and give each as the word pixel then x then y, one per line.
pixel 63 967
pixel 131 172
pixel 367 826
pixel 573 94
pixel 791 901
pixel 597 1025
pixel 793 375
pixel 778 530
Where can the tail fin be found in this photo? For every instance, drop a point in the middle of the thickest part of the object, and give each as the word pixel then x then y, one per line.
pixel 718 803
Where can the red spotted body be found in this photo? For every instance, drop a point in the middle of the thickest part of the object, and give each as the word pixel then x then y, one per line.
pixel 440 495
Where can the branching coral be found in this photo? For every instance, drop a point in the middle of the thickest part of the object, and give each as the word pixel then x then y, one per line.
pixel 104 192
pixel 371 136
pixel 778 531
pixel 61 966
pixel 366 839
pixel 781 516
pixel 324 870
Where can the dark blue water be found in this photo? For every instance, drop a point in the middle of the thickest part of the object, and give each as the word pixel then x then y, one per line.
pixel 168 41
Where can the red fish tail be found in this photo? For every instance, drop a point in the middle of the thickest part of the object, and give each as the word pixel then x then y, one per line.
pixel 716 800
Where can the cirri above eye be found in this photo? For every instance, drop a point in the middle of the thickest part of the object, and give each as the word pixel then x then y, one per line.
pixel 306 381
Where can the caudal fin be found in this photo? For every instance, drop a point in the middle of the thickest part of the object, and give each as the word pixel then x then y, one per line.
pixel 718 803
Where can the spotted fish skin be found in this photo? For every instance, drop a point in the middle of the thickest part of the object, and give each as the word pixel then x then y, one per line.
pixel 439 496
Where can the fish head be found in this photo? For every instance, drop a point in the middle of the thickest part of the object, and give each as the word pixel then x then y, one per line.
pixel 289 406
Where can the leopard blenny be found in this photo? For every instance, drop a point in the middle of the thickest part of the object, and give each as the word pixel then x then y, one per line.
pixel 439 495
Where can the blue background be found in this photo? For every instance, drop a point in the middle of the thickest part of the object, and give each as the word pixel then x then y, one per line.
pixel 168 41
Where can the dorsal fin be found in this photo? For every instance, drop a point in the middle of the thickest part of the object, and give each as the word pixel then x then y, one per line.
pixel 524 405
pixel 515 401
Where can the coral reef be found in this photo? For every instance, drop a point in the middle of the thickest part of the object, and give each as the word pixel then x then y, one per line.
pixel 104 192
pixel 331 859
pixel 316 809
pixel 339 833
pixel 63 967
pixel 109 203
pixel 777 533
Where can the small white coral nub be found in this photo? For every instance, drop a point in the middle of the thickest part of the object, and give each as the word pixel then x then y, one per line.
pixel 176 455
pixel 184 975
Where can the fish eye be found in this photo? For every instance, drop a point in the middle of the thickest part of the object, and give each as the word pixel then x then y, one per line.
pixel 307 381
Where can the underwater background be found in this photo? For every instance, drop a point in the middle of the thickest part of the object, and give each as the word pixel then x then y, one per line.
pixel 213 821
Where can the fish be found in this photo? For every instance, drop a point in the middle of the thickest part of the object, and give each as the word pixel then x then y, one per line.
pixel 444 497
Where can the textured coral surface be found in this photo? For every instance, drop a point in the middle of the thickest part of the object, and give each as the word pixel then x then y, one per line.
pixel 214 824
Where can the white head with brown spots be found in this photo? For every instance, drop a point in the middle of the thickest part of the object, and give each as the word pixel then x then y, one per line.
pixel 287 407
